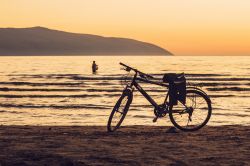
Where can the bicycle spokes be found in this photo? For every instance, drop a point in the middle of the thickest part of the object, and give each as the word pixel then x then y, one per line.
pixel 194 114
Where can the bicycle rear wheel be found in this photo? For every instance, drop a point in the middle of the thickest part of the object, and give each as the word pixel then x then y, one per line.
pixel 195 115
pixel 119 111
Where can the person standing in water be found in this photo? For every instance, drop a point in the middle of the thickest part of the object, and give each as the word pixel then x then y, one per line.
pixel 94 67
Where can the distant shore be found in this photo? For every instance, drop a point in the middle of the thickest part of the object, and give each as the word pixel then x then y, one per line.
pixel 132 145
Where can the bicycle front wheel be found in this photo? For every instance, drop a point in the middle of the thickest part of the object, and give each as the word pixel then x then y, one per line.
pixel 194 115
pixel 119 111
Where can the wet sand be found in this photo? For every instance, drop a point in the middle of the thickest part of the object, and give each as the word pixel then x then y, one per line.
pixel 133 145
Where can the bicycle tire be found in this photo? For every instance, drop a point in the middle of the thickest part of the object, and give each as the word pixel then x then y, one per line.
pixel 179 124
pixel 126 94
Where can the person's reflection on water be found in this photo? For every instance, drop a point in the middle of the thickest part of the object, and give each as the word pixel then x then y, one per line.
pixel 94 67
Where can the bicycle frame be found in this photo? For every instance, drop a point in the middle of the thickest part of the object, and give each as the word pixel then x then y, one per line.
pixel 144 93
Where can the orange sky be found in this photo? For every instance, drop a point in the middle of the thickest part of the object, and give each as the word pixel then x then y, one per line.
pixel 191 27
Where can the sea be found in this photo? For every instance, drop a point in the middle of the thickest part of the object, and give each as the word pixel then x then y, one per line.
pixel 63 91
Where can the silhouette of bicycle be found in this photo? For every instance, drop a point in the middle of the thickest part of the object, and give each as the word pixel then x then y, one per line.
pixel 189 107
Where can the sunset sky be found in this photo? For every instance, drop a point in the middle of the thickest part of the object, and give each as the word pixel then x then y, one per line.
pixel 184 27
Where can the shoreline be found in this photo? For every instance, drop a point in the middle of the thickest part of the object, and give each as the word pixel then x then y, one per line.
pixel 130 145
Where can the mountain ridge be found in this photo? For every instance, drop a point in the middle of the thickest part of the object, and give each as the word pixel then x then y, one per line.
pixel 44 41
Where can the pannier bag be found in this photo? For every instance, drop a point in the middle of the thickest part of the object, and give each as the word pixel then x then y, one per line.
pixel 177 87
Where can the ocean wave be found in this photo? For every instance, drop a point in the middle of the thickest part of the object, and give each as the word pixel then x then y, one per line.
pixel 43 75
pixel 6 89
pixel 102 83
pixel 69 76
pixel 220 79
pixel 206 75
pixel 199 75
pixel 49 96
pixel 229 89
pixel 83 84
pixel 85 106
pixel 227 95
pixel 232 114
pixel 96 78
pixel 103 90
pixel 121 76
pixel 43 83
pixel 11 112
pixel 216 84
pixel 217 96
pixel 43 90
pixel 112 75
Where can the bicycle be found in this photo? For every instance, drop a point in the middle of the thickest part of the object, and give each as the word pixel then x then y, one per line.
pixel 189 107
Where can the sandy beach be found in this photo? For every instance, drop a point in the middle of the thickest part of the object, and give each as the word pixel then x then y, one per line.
pixel 132 145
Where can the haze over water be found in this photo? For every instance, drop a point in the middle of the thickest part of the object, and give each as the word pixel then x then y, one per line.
pixel 62 90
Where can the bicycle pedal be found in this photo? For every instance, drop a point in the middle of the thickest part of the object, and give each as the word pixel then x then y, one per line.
pixel 155 119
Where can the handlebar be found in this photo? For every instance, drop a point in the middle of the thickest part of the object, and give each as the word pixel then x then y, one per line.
pixel 128 68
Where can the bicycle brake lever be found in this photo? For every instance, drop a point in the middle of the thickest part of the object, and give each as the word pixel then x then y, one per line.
pixel 128 69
